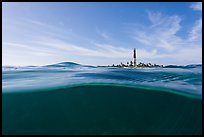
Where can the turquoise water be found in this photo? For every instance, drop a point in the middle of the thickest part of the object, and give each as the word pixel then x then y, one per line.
pixel 69 98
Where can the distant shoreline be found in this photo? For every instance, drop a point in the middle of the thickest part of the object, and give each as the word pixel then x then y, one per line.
pixel 157 66
pixel 140 65
pixel 129 67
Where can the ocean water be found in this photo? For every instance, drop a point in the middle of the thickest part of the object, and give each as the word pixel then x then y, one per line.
pixel 68 98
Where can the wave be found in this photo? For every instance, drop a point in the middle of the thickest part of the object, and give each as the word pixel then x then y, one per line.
pixel 63 64
pixel 186 67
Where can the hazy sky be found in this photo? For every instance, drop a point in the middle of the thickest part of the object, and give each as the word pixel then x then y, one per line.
pixel 101 33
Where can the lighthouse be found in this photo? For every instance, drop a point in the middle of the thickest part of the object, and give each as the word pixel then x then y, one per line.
pixel 134 57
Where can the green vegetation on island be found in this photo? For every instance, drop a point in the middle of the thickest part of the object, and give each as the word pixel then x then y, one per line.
pixel 131 65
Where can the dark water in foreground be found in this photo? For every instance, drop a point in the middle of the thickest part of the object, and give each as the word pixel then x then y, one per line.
pixel 74 99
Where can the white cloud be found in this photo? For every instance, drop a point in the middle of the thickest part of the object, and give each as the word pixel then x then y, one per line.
pixel 153 40
pixel 155 18
pixel 28 48
pixel 167 25
pixel 161 35
pixel 100 50
pixel 196 6
pixel 44 25
pixel 56 46
pixel 103 34
pixel 196 31
pixel 182 57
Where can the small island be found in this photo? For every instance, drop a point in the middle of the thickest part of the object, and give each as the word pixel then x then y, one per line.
pixel 132 64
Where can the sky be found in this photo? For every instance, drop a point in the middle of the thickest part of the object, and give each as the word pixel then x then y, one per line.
pixel 101 33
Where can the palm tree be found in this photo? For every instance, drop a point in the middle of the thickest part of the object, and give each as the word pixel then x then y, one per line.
pixel 121 64
pixel 140 64
pixel 127 63
pixel 131 63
